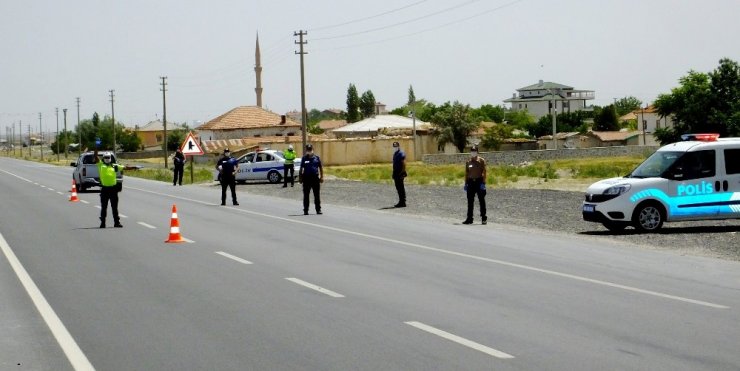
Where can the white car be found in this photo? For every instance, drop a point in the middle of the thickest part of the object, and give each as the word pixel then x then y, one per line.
pixel 697 179
pixel 263 165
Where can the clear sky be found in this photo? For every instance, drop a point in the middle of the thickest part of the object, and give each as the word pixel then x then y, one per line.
pixel 474 51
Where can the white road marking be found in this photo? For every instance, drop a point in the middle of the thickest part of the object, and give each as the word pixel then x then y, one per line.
pixel 52 189
pixel 187 240
pixel 62 194
pixel 232 257
pixel 73 352
pixel 122 216
pixel 84 202
pixel 147 225
pixel 99 207
pixel 460 340
pixel 458 254
pixel 314 287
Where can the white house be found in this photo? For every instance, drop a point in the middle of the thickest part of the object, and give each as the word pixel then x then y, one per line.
pixel 538 99
pixel 651 119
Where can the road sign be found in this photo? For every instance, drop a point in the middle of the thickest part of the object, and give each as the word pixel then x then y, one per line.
pixel 190 146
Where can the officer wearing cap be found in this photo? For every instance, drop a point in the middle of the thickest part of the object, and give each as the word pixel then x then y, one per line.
pixel 399 173
pixel 475 184
pixel 311 176
pixel 227 168
pixel 289 156
pixel 108 187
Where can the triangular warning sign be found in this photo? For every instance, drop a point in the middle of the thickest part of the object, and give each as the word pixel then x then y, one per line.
pixel 190 146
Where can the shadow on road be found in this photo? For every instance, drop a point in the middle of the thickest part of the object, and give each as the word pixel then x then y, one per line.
pixel 670 231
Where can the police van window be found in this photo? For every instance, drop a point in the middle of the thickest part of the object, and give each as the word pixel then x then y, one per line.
pixel 695 165
pixel 732 161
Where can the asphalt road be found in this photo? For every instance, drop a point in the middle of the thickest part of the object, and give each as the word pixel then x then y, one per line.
pixel 262 287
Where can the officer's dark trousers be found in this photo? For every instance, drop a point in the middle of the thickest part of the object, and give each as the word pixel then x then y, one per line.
pixel 177 177
pixel 230 183
pixel 285 174
pixel 473 190
pixel 311 182
pixel 398 180
pixel 109 194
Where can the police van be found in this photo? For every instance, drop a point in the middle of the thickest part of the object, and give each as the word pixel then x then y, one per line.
pixel 696 179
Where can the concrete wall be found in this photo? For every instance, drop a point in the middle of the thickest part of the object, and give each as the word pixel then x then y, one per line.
pixel 519 157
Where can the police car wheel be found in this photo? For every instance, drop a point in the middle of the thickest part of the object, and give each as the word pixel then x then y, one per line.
pixel 273 177
pixel 648 217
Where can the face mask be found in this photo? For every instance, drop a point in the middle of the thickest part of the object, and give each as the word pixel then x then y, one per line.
pixel 396 149
pixel 474 153
pixel 227 154
pixel 290 149
pixel 106 160
pixel 310 153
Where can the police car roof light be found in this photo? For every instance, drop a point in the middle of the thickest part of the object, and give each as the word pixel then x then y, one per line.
pixel 704 137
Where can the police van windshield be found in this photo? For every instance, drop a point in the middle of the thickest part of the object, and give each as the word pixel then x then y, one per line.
pixel 656 165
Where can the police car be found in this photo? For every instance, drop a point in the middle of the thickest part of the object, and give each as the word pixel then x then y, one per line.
pixel 696 179
pixel 266 164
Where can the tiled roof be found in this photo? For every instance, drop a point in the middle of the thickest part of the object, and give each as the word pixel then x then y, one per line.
pixel 545 85
pixel 331 124
pixel 560 136
pixel 614 136
pixel 217 146
pixel 247 117
pixel 157 125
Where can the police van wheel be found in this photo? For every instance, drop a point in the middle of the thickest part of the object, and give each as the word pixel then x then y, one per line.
pixel 274 177
pixel 648 217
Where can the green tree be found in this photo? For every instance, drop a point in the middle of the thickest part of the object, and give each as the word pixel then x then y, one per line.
pixel 367 104
pixel 128 141
pixel 453 124
pixel 564 122
pixel 353 104
pixel 606 120
pixel 495 135
pixel 703 102
pixel 520 119
pixel 488 112
pixel 626 105
pixel 412 97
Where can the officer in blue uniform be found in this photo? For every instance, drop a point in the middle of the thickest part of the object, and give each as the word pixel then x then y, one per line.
pixel 311 176
pixel 227 167
pixel 399 173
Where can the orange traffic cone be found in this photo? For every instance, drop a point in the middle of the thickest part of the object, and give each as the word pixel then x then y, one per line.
pixel 174 228
pixel 73 197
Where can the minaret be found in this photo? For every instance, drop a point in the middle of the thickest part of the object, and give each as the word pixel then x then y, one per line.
pixel 258 72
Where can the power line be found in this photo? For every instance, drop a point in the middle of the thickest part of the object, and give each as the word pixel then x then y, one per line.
pixel 423 30
pixel 397 24
pixel 366 18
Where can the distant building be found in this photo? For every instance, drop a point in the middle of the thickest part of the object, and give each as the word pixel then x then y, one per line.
pixel 248 121
pixel 380 125
pixel 537 99
pixel 651 119
pixel 152 134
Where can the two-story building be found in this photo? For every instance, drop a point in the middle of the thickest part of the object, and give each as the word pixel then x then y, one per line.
pixel 540 99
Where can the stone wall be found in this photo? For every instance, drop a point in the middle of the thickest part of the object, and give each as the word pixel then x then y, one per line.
pixel 519 157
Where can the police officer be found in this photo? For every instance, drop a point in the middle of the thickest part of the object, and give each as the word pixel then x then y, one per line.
pixel 289 156
pixel 108 188
pixel 475 184
pixel 227 168
pixel 399 173
pixel 311 176
pixel 178 161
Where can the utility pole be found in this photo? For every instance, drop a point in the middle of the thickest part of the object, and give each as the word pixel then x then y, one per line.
pixel 554 120
pixel 13 139
pixel 57 136
pixel 66 140
pixel 29 140
pixel 164 116
pixel 113 116
pixel 304 117
pixel 41 138
pixel 79 132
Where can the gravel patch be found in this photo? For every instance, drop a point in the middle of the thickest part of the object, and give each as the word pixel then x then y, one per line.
pixel 550 210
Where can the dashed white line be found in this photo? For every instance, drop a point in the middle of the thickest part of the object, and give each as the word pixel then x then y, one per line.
pixel 187 240
pixel 146 225
pixel 232 257
pixel 84 202
pixel 73 352
pixel 62 194
pixel 314 287
pixel 459 254
pixel 460 340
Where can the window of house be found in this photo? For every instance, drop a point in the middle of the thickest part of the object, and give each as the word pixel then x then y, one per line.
pixel 520 106
pixel 657 124
pixel 158 137
pixel 732 165
pixel 525 105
